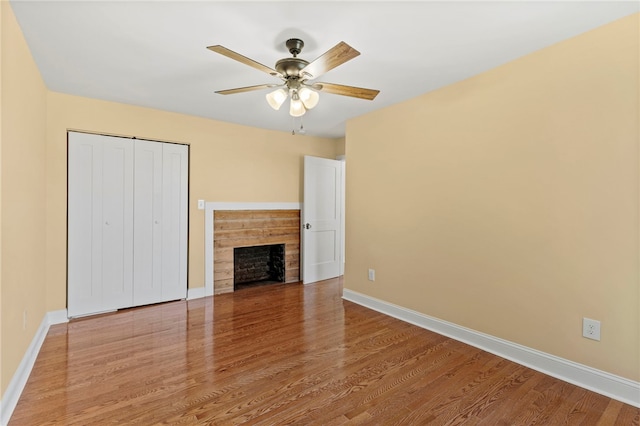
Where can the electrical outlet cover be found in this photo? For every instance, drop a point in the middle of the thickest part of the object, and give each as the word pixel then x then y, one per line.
pixel 591 329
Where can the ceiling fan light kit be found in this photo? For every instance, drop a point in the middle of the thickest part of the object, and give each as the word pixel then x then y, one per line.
pixel 276 98
pixel 296 108
pixel 302 100
pixel 308 97
pixel 295 72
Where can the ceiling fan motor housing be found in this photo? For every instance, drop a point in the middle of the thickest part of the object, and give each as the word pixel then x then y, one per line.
pixel 291 67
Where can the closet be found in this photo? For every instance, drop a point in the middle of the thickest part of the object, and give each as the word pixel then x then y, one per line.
pixel 127 223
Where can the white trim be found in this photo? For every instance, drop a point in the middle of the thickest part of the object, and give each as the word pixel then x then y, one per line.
pixel 196 293
pixel 610 385
pixel 20 377
pixel 301 269
pixel 57 317
pixel 343 214
pixel 210 207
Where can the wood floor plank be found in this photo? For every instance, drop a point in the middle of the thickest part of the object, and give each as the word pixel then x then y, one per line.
pixel 286 354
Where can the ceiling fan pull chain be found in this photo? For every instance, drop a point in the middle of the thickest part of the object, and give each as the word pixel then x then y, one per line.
pixel 301 131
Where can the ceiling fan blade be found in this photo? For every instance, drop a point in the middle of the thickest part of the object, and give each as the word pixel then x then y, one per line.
pixel 337 55
pixel 338 89
pixel 246 89
pixel 243 59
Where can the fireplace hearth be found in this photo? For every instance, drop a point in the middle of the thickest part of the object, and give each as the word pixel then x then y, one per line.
pixel 258 265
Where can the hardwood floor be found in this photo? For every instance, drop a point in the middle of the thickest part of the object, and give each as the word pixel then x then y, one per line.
pixel 286 354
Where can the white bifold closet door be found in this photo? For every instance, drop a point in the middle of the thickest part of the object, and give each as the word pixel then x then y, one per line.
pixel 127 223
pixel 174 212
pixel 160 237
pixel 100 218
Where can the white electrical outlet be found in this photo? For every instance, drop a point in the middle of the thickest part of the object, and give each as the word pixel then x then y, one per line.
pixel 591 329
pixel 200 204
pixel 372 274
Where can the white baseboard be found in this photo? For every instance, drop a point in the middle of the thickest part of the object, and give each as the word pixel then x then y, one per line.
pixel 57 317
pixel 20 377
pixel 610 385
pixel 196 293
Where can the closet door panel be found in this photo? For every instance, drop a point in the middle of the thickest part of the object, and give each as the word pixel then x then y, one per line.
pixel 174 213
pixel 147 223
pixel 117 237
pixel 84 280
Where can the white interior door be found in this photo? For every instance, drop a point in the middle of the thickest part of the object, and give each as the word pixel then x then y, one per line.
pixel 117 237
pixel 85 226
pixel 175 175
pixel 100 217
pixel 147 237
pixel 321 219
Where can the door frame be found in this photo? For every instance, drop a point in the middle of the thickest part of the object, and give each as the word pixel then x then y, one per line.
pixel 343 183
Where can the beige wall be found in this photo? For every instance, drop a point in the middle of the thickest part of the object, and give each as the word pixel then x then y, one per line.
pixel 341 146
pixel 509 203
pixel 229 163
pixel 22 195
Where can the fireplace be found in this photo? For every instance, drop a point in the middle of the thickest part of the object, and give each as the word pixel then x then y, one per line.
pixel 258 265
pixel 229 227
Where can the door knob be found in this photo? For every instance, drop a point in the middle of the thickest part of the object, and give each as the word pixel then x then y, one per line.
pixel 307 226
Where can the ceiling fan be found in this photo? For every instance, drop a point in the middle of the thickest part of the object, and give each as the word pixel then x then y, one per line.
pixel 296 74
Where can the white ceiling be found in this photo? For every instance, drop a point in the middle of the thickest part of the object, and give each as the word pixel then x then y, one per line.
pixel 153 53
